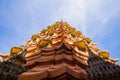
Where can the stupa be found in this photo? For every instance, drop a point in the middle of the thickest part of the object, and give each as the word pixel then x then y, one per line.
pixel 60 52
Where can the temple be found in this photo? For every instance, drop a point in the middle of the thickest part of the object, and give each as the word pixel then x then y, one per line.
pixel 60 52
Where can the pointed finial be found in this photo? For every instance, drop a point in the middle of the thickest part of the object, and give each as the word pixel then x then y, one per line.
pixel 61 21
pixel 62 25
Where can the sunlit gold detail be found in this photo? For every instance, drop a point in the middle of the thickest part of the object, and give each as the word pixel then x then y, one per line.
pixel 51 32
pixel 104 54
pixel 79 33
pixel 43 43
pixel 34 37
pixel 88 40
pixel 73 29
pixel 55 26
pixel 44 31
pixel 67 25
pixel 4 56
pixel 81 45
pixel 49 27
pixel 15 50
pixel 73 34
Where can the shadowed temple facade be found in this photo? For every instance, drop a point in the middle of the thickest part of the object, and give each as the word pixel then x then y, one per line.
pixel 59 52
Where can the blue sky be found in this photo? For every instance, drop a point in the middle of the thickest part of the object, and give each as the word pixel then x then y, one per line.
pixel 97 19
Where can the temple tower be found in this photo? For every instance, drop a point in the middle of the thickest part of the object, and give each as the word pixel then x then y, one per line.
pixel 60 52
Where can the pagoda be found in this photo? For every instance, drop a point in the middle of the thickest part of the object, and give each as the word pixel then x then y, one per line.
pixel 59 52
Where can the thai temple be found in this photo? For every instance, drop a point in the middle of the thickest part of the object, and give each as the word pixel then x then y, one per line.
pixel 59 52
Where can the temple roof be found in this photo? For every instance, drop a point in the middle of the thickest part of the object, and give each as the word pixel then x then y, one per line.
pixel 53 35
pixel 57 51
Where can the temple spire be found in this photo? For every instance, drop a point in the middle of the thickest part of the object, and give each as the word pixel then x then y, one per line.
pixel 64 48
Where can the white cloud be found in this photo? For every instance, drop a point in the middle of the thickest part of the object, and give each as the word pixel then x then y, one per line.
pixel 89 16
